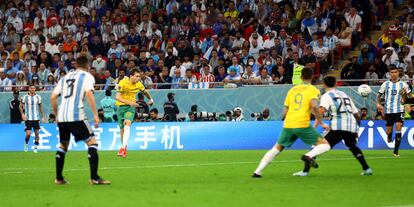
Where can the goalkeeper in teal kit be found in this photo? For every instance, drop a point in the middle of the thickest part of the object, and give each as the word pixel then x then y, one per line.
pixel 108 106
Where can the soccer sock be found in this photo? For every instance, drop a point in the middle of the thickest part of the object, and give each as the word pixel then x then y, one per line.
pixel 127 131
pixel 359 156
pixel 36 144
pixel 26 139
pixel 397 141
pixel 60 161
pixel 389 136
pixel 318 150
pixel 267 158
pixel 93 161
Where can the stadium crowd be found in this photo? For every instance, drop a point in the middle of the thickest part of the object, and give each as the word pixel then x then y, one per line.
pixel 177 42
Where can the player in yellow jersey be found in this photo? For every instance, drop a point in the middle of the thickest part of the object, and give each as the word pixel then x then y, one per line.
pixel 128 88
pixel 300 102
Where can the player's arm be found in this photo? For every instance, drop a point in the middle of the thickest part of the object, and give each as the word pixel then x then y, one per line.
pixel 379 96
pixel 322 111
pixel 149 97
pixel 284 112
pixel 53 103
pixel 21 106
pixel 91 101
pixel 358 118
pixel 41 112
pixel 318 116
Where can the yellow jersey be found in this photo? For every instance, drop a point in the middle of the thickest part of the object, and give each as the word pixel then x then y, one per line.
pixel 298 102
pixel 129 90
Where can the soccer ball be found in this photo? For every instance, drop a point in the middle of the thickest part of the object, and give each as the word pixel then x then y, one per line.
pixel 364 90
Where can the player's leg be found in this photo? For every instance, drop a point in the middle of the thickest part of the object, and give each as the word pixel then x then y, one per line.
pixel 82 131
pixel 28 131
pixel 350 142
pixel 311 137
pixel 388 126
pixel 26 139
pixel 36 127
pixel 64 135
pixel 129 118
pixel 120 115
pixel 398 137
pixel 93 158
pixel 286 139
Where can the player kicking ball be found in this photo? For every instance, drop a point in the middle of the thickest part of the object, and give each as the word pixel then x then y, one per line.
pixel 345 120
pixel 128 88
pixel 395 92
pixel 300 102
pixel 30 106
pixel 73 88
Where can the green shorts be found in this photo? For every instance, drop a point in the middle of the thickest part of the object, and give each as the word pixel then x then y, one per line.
pixel 125 112
pixel 289 135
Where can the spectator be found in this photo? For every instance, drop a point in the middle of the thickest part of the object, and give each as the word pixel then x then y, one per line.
pixel 265 78
pixel 164 79
pixel 364 114
pixel 249 77
pixel 321 52
pixel 50 83
pixel 21 81
pixel 15 115
pixel 207 76
pixel 372 75
pixel 153 116
pixel 170 109
pixel 5 83
pixel 232 77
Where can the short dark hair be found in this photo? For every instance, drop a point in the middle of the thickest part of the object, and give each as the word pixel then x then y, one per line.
pixel 133 71
pixel 307 73
pixel 82 61
pixel 108 92
pixel 392 67
pixel 329 81
pixel 363 108
pixel 155 110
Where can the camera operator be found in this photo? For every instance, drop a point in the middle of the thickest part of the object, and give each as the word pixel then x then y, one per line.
pixel 170 109
pixel 142 109
pixel 263 116
pixel 153 115
pixel 238 114
pixel 108 106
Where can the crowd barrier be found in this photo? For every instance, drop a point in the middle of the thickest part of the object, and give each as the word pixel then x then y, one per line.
pixel 195 136
pixel 251 99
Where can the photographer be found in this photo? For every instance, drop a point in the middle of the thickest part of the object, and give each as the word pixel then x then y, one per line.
pixel 263 116
pixel 238 114
pixel 153 115
pixel 170 109
pixel 142 110
pixel 108 106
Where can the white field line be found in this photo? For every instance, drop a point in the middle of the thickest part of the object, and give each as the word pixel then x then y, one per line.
pixel 5 171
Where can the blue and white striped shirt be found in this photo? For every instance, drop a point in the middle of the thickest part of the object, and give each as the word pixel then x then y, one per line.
pixel 342 110
pixel 393 97
pixel 72 89
pixel 330 42
pixel 32 106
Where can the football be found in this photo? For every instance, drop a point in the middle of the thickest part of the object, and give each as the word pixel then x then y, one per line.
pixel 364 90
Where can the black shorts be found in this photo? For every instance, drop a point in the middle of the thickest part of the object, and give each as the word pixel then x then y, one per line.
pixel 32 125
pixel 81 130
pixel 335 136
pixel 393 118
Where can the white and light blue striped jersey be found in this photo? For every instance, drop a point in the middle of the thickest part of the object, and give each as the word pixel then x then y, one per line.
pixel 342 110
pixel 72 89
pixel 31 105
pixel 392 94
pixel 330 42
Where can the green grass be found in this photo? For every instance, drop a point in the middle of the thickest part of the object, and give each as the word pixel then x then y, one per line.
pixel 207 178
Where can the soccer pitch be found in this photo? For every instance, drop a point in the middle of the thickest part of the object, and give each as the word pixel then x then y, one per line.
pixel 207 178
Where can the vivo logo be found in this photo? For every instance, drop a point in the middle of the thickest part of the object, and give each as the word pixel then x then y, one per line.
pixel 378 132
